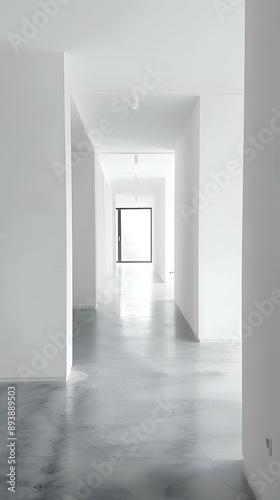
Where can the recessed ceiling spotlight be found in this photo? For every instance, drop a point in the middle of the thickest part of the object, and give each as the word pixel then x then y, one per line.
pixel 135 102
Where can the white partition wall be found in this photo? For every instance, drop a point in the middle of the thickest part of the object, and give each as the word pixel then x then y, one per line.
pixel 105 231
pixel 100 242
pixel 261 249
pixel 109 214
pixel 159 222
pixel 84 284
pixel 169 222
pixel 220 218
pixel 208 228
pixel 187 222
pixel 69 225
pixel 35 267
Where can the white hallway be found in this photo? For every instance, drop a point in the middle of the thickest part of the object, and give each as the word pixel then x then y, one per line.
pixel 70 78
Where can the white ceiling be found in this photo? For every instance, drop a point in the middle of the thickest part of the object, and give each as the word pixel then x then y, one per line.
pixel 154 127
pixel 108 46
pixel 120 170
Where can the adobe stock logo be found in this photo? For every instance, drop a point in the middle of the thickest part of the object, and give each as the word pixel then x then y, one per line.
pixel 223 7
pixel 40 19
pixel 256 144
pixel 261 311
pixel 201 199
pixel 131 440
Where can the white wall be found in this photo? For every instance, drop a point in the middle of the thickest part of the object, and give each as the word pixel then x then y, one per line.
pixel 161 200
pixel 84 233
pixel 159 221
pixel 261 247
pixel 69 226
pixel 186 227
pixel 157 202
pixel 100 243
pixel 110 217
pixel 220 222
pixel 34 260
pixel 84 286
pixel 208 235
pixel 129 201
pixel 169 223
pixel 105 228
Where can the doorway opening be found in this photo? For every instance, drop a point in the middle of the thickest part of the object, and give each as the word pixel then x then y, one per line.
pixel 134 235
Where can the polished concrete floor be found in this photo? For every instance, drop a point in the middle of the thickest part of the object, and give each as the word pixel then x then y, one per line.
pixel 147 413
